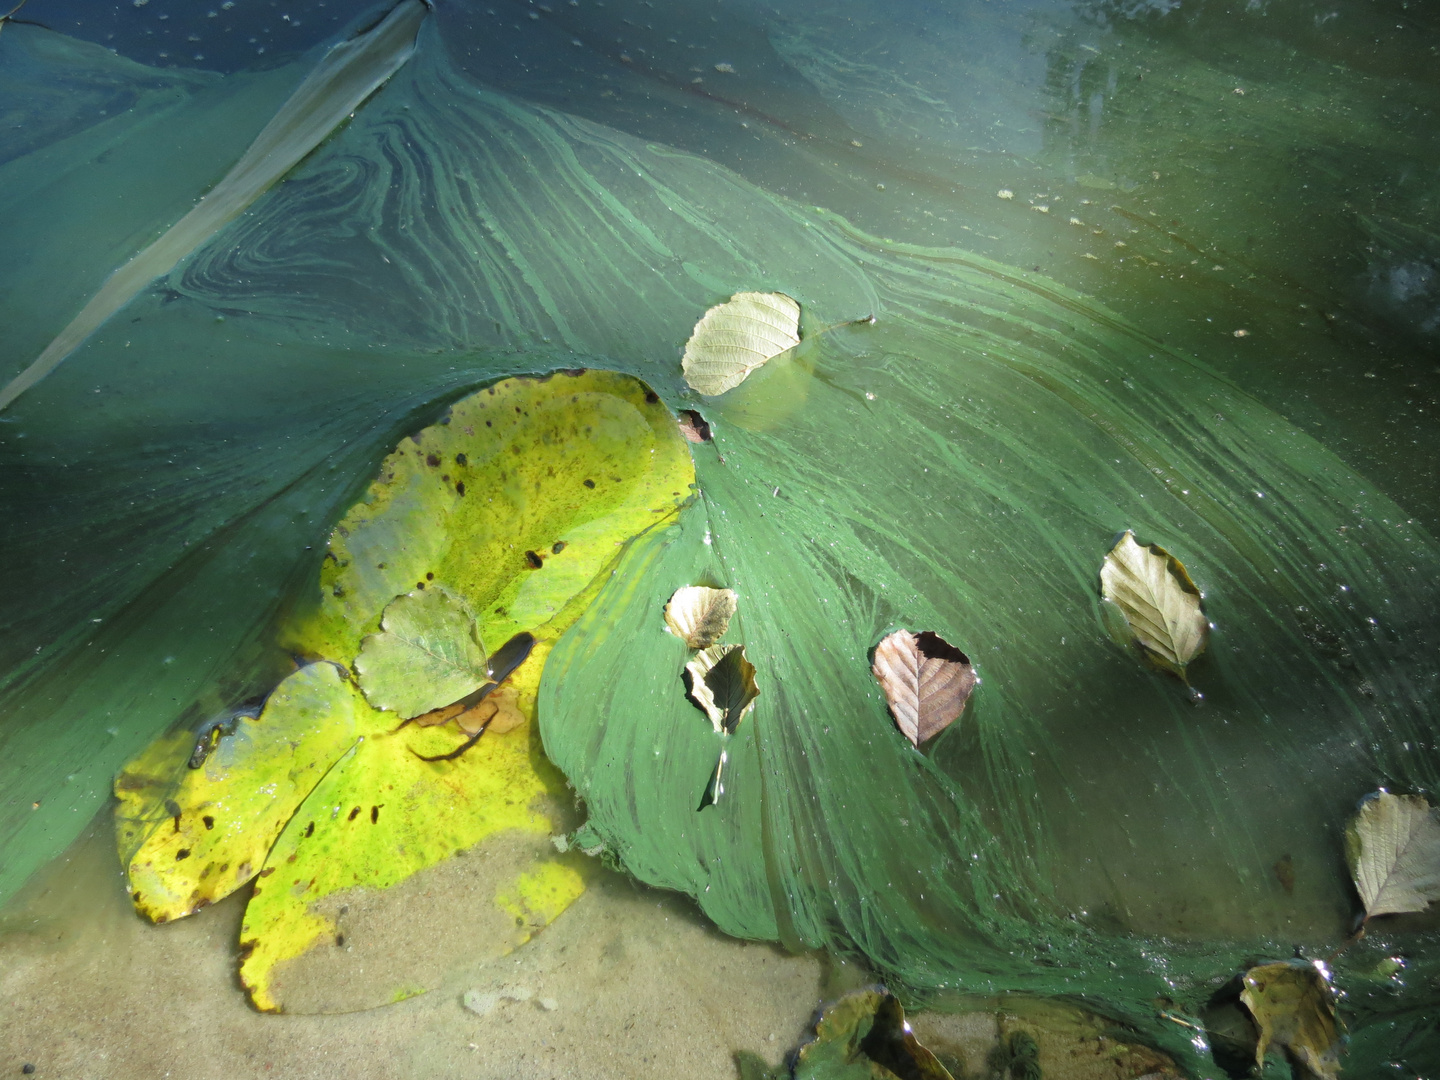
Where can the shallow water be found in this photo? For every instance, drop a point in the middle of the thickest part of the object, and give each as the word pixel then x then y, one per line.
pixel 1220 236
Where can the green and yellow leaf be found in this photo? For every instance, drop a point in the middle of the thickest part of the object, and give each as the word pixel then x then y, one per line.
pixel 193 836
pixel 380 816
pixel 425 656
pixel 516 501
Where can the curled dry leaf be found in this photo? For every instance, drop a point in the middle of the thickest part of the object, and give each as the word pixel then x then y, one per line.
pixel 1159 601
pixel 699 616
pixel 865 1033
pixel 694 427
pixel 722 682
pixel 496 715
pixel 1393 848
pixel 1294 1010
pixel 926 682
pixel 734 338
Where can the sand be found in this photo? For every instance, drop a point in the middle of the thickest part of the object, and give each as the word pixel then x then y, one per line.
pixel 629 982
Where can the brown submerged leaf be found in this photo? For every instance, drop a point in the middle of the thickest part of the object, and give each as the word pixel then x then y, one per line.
pixel 1294 1009
pixel 694 427
pixel 699 616
pixel 1160 602
pixel 926 682
pixel 1393 848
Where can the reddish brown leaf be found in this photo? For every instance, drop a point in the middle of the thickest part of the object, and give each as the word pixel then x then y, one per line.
pixel 926 682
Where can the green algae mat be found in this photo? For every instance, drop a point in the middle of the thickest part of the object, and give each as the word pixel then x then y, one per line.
pixel 1024 372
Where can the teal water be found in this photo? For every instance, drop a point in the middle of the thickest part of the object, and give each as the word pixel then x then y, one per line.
pixel 561 191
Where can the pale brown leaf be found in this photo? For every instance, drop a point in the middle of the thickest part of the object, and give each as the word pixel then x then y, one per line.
pixel 699 616
pixel 722 682
pixel 734 338
pixel 926 682
pixel 1393 847
pixel 1160 603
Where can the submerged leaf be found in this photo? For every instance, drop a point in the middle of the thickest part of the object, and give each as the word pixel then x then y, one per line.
pixel 864 1036
pixel 926 680
pixel 722 682
pixel 1160 602
pixel 734 338
pixel 197 834
pixel 343 867
pixel 565 468
pixel 425 656
pixel 699 616
pixel 1294 1009
pixel 1393 848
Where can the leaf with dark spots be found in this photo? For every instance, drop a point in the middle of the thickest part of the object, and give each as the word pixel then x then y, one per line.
pixel 926 681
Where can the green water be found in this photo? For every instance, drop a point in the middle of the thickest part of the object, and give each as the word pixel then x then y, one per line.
pixel 1045 369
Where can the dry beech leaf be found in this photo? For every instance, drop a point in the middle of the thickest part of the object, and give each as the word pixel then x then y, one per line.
pixel 1159 601
pixel 699 616
pixel 722 682
pixel 1294 1010
pixel 694 427
pixel 1393 848
pixel 734 338
pixel 926 682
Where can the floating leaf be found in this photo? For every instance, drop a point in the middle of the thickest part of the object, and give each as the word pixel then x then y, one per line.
pixel 1393 847
pixel 1160 602
pixel 864 1036
pixel 425 656
pixel 699 616
pixel 722 682
pixel 199 834
pixel 734 338
pixel 1294 1009
pixel 926 680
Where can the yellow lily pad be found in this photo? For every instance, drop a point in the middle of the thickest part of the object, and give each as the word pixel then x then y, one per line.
pixel 323 918
pixel 515 504
pixel 191 836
